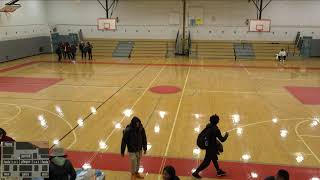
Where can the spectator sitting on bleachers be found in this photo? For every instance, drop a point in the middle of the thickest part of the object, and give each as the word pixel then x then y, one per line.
pixel 282 55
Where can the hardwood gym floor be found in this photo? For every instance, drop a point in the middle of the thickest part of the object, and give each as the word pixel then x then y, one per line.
pixel 271 110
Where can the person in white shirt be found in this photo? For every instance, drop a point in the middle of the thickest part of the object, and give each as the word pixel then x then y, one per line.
pixel 282 55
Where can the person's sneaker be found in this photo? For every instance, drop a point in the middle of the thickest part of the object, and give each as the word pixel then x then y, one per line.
pixel 221 173
pixel 196 175
pixel 139 176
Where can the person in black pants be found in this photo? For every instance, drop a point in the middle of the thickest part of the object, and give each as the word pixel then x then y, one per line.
pixel 64 50
pixel 59 52
pixel 82 48
pixel 73 52
pixel 67 50
pixel 89 49
pixel 212 149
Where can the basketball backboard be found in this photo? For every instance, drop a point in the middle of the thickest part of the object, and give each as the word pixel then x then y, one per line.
pixel 256 25
pixel 9 8
pixel 106 24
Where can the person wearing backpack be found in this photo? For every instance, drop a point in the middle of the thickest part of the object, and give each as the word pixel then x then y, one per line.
pixel 135 139
pixel 207 140
pixel 60 167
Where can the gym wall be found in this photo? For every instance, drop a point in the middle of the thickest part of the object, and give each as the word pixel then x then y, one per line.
pixel 24 32
pixel 223 20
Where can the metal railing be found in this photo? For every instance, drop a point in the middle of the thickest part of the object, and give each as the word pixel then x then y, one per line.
pixel 189 44
pixel 176 43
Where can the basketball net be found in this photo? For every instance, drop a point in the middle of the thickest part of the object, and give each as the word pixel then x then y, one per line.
pixel 6 12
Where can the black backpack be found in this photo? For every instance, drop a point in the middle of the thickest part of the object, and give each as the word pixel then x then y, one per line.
pixel 204 138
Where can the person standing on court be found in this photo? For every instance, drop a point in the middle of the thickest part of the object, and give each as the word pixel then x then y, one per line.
pixel 213 147
pixel 59 52
pixel 73 50
pixel 89 49
pixel 81 48
pixel 135 139
pixel 64 50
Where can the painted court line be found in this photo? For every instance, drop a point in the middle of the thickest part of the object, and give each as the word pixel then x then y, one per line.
pixel 134 104
pixel 174 122
pixel 194 65
pixel 17 66
pixel 84 119
pixel 151 164
pixel 303 141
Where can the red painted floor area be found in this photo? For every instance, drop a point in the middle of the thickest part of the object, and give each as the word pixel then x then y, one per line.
pixel 306 95
pixel 165 89
pixel 236 170
pixel 26 85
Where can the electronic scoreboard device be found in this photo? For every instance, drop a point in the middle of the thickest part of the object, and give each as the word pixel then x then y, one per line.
pixel 25 160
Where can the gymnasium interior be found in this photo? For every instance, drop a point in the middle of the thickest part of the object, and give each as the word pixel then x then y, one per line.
pixel 173 64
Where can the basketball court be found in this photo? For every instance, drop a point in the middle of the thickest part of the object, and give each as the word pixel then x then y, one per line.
pixel 265 106
pixel 173 84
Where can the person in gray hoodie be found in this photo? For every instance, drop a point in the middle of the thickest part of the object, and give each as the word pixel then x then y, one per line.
pixel 60 167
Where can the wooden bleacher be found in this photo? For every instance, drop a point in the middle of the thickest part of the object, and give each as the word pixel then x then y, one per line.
pixel 152 48
pixel 217 50
pixel 103 47
pixel 267 50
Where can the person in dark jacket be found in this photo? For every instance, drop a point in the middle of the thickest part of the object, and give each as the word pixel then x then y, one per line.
pixel 135 139
pixel 281 175
pixel 82 50
pixel 89 49
pixel 59 52
pixel 73 50
pixel 60 167
pixel 169 173
pixel 64 50
pixel 212 150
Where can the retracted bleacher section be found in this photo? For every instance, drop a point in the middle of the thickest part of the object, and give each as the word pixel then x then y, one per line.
pixel 133 48
pixel 103 48
pixel 216 50
pixel 152 48
pixel 267 50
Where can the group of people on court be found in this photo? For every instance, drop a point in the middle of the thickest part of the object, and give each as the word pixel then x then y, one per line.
pixel 135 141
pixel 68 51
pixel 210 139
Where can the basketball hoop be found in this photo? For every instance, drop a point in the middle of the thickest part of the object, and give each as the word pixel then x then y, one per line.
pixel 106 24
pixel 263 25
pixel 8 9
